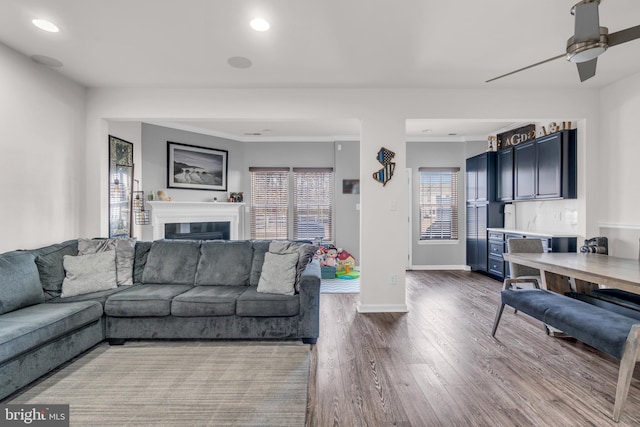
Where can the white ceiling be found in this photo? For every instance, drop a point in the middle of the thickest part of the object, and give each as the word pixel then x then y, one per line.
pixel 316 44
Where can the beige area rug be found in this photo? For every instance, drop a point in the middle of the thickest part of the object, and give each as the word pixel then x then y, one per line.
pixel 181 384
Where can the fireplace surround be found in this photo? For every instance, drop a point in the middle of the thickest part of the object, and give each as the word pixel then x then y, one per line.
pixel 164 213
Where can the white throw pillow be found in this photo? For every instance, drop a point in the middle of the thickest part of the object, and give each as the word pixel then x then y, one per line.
pixel 278 274
pixel 89 273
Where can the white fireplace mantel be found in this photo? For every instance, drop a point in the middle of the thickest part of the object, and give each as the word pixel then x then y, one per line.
pixel 181 212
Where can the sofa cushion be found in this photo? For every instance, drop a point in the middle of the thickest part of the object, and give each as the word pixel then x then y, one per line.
pixel 260 247
pixel 224 263
pixel 144 300
pixel 125 254
pixel 278 273
pixel 207 301
pixel 172 262
pixel 19 281
pixel 49 262
pixel 89 273
pixel 256 304
pixel 140 260
pixel 99 296
pixel 30 327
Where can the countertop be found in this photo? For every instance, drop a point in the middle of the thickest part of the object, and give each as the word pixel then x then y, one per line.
pixel 531 233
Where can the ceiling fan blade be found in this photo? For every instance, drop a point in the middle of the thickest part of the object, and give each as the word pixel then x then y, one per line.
pixel 526 68
pixel 587 22
pixel 624 36
pixel 587 69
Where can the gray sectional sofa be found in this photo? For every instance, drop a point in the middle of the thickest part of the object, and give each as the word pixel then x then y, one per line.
pixel 181 290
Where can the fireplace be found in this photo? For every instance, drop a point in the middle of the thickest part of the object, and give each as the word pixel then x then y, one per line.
pixel 212 230
pixel 197 220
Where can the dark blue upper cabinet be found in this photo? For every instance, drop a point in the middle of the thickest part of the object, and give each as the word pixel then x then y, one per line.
pixel 481 185
pixel 504 171
pixel 546 168
pixel 524 171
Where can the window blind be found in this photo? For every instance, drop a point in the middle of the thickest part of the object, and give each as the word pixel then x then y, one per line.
pixel 439 203
pixel 313 203
pixel 269 203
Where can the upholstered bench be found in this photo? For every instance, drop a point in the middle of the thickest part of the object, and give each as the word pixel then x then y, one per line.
pixel 607 331
pixel 618 296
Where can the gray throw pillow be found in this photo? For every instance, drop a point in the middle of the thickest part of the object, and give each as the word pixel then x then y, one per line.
pixel 50 268
pixel 19 282
pixel 89 273
pixel 278 274
pixel 125 255
pixel 305 253
pixel 141 253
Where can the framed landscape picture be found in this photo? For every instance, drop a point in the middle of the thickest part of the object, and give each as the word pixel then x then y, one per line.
pixel 196 168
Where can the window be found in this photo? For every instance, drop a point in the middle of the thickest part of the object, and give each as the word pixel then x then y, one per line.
pixel 269 203
pixel 313 203
pixel 439 203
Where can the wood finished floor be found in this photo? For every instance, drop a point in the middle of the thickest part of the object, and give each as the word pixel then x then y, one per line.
pixel 438 365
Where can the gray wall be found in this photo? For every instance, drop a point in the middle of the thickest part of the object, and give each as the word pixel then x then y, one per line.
pixel 243 155
pixel 345 162
pixel 439 154
pixel 154 162
pixel 318 154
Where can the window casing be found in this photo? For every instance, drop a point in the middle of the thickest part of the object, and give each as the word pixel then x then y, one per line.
pixel 438 204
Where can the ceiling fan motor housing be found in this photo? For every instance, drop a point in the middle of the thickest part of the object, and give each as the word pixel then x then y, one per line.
pixel 587 50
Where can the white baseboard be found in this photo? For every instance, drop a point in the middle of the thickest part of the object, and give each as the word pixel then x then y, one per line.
pixel 440 267
pixel 382 308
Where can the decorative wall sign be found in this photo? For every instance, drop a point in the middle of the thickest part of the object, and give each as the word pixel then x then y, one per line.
pixel 516 136
pixel 384 157
pixel 196 168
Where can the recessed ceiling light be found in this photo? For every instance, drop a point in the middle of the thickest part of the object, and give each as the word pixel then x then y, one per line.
pixel 259 24
pixel 452 134
pixel 239 62
pixel 45 25
pixel 427 130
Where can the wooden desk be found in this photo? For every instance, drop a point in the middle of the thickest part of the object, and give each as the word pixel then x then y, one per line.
pixel 581 270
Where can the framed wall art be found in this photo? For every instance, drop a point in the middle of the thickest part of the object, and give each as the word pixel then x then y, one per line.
pixel 196 168
pixel 350 186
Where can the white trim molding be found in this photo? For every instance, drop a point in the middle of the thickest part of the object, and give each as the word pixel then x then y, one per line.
pixel 441 267
pixel 382 308
pixel 621 226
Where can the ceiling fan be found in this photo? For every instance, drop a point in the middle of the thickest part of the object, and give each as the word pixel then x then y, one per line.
pixel 589 41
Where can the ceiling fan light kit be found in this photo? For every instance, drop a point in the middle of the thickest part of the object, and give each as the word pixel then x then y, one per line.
pixel 589 41
pixel 587 50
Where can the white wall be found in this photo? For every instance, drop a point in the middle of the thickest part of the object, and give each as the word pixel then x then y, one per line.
pixel 383 114
pixel 617 168
pixel 42 130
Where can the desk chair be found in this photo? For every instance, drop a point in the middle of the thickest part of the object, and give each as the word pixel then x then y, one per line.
pixel 521 273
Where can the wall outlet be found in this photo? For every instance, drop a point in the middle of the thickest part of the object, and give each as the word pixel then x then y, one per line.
pixel 393 279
